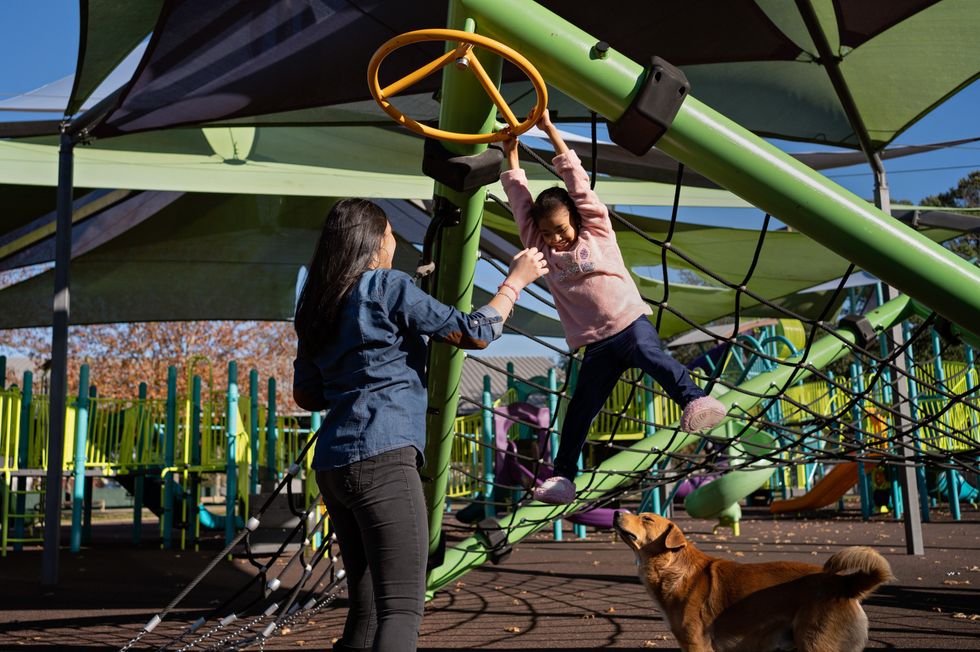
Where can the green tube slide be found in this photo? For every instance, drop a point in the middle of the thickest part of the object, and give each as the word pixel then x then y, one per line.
pixel 719 499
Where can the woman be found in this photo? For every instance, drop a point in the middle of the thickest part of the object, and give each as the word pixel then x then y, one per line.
pixel 361 355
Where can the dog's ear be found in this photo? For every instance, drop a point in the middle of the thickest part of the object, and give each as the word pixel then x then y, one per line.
pixel 675 539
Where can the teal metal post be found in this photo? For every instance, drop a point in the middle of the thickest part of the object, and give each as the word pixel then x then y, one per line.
pixel 557 526
pixel 271 434
pixel 231 497
pixel 857 413
pixel 740 161
pixel 170 448
pixel 253 430
pixel 466 108
pixel 315 420
pixel 81 439
pixel 651 497
pixel 23 443
pixel 913 389
pixel 952 483
pixel 141 474
pixel 193 491
pixel 89 480
pixel 489 452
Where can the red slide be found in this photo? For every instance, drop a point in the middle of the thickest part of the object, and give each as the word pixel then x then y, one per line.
pixel 826 492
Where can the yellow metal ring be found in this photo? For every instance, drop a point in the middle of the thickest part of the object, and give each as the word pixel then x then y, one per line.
pixel 465 42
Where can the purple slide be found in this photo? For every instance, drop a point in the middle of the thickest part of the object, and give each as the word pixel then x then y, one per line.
pixel 509 470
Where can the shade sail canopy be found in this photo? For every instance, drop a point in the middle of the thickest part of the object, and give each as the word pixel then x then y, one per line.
pixel 308 161
pixel 203 256
pixel 756 61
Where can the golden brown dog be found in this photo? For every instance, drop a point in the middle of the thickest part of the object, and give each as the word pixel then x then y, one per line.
pixel 716 605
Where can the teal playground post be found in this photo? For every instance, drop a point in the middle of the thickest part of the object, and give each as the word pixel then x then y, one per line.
pixel 231 466
pixel 194 483
pixel 952 485
pixel 315 420
pixel 23 442
pixel 488 435
pixel 270 433
pixel 169 447
pixel 553 435
pixel 253 429
pixel 650 501
pixel 913 390
pixel 89 480
pixel 81 436
pixel 857 413
pixel 140 479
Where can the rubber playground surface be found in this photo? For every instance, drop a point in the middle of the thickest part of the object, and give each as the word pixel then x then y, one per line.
pixel 576 594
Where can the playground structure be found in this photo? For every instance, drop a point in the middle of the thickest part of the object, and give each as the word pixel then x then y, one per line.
pixel 782 426
pixel 160 449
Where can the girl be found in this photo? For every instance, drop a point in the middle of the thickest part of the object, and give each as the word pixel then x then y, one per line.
pixel 598 304
pixel 361 355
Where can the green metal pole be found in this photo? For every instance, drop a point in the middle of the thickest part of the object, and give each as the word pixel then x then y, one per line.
pixel 618 469
pixel 231 466
pixel 81 436
pixel 169 453
pixel 23 443
pixel 743 163
pixel 465 108
pixel 141 473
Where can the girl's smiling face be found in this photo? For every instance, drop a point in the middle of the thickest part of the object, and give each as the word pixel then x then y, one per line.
pixel 558 229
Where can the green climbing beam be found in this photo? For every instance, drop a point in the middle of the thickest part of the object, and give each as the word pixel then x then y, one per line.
pixel 622 467
pixel 743 163
pixel 465 108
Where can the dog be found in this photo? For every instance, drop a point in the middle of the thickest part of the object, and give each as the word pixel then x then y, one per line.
pixel 717 605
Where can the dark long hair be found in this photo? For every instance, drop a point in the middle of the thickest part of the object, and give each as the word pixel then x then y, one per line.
pixel 347 247
pixel 551 198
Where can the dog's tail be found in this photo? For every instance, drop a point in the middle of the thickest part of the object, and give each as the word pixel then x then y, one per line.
pixel 862 570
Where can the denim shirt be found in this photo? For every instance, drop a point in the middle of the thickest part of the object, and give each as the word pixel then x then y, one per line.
pixel 371 375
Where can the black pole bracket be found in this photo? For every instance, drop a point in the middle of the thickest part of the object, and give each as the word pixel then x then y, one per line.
pixel 862 329
pixel 653 109
pixel 494 539
pixel 461 173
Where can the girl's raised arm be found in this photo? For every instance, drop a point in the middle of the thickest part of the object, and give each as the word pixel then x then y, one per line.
pixel 514 181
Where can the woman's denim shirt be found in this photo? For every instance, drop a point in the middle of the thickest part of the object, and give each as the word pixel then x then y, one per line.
pixel 371 375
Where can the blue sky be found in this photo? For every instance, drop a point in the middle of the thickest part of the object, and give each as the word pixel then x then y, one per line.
pixel 38 42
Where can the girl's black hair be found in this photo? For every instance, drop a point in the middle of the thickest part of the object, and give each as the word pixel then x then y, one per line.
pixel 549 200
pixel 347 247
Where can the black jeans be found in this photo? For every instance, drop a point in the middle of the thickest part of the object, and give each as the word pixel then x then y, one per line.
pixel 637 345
pixel 378 512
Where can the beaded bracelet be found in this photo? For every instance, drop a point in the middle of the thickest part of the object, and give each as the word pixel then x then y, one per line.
pixel 517 293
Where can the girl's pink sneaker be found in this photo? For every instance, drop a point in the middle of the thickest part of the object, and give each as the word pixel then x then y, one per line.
pixel 702 414
pixel 558 490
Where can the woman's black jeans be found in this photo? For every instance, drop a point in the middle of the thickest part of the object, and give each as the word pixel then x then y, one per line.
pixel 378 512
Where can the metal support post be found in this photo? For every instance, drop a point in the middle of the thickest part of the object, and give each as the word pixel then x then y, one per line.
pixel 169 457
pixel 488 450
pixel 140 480
pixel 253 430
pixel 465 107
pixel 231 463
pixel 58 387
pixel 557 526
pixel 81 437
pixel 23 443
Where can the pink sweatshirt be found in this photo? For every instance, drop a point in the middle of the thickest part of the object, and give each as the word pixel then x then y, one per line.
pixel 593 291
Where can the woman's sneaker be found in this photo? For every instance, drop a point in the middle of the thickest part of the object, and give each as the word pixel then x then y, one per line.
pixel 702 414
pixel 558 490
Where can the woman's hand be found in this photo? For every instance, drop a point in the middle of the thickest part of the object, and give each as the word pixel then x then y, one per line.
pixel 528 266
